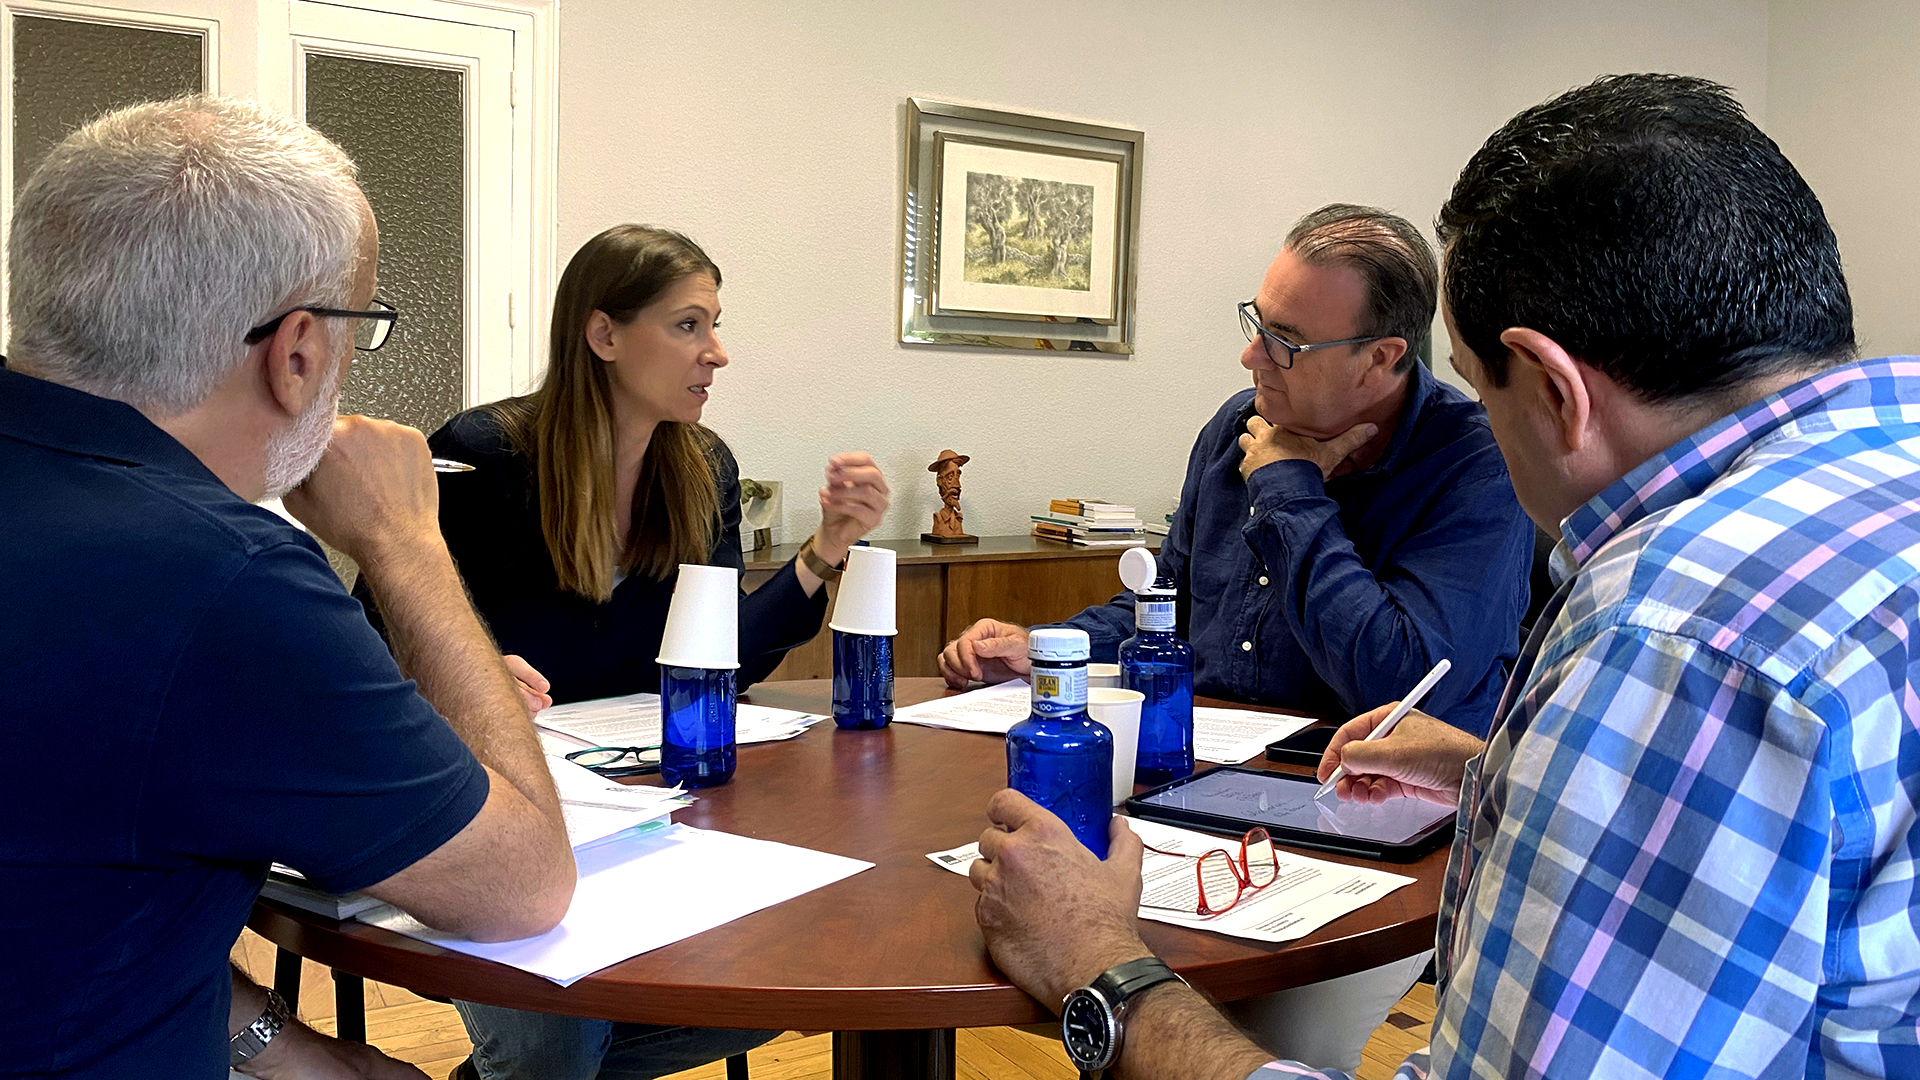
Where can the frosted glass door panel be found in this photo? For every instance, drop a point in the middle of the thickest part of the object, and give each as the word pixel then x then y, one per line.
pixel 404 125
pixel 66 72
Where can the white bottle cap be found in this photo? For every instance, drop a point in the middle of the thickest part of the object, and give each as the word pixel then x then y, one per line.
pixel 1058 643
pixel 1138 570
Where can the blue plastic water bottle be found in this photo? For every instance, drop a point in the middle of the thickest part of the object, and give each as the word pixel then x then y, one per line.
pixel 1058 756
pixel 862 680
pixel 696 726
pixel 1157 663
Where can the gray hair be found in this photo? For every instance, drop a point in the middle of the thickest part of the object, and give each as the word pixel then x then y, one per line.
pixel 1397 263
pixel 151 240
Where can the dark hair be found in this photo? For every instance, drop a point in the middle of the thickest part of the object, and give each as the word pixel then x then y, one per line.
pixel 1390 254
pixel 566 426
pixel 1648 227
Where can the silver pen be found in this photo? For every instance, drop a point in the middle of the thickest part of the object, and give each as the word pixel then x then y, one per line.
pixel 441 464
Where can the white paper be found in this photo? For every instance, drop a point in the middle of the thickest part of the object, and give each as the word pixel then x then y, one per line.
pixel 639 892
pixel 1222 736
pixel 634 720
pixel 1231 736
pixel 596 808
pixel 992 710
pixel 1308 894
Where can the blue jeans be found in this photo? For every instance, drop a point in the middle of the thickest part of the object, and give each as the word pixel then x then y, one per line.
pixel 509 1044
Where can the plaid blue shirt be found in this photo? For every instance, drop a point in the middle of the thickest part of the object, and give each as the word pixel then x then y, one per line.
pixel 1689 849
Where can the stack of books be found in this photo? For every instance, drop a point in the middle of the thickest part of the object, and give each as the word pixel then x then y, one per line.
pixel 1161 528
pixel 1090 523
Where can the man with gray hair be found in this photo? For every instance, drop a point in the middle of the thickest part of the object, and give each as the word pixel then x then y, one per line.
pixel 1345 524
pixel 189 281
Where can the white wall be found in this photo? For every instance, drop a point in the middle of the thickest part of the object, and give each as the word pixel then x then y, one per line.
pixel 1843 93
pixel 772 133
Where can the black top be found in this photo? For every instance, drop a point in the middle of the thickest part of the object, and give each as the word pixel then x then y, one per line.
pixel 491 520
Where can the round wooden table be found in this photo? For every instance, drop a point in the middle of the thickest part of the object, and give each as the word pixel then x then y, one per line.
pixel 890 958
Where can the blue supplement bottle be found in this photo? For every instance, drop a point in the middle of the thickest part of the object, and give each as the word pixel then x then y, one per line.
pixel 1157 663
pixel 1059 756
pixel 696 726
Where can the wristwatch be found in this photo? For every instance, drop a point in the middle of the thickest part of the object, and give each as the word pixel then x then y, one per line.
pixel 253 1038
pixel 820 567
pixel 1091 1019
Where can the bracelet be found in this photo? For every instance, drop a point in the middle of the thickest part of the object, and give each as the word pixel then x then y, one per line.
pixel 250 1040
pixel 812 560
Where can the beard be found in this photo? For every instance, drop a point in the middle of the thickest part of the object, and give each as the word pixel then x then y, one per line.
pixel 295 451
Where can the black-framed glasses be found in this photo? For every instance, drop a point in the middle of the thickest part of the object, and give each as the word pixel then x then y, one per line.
pixel 1221 879
pixel 1250 325
pixel 618 761
pixel 368 334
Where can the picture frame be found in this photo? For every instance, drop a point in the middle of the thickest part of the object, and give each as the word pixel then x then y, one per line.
pixel 1018 231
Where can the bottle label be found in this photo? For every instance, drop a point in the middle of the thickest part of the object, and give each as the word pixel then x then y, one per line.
pixel 1155 615
pixel 1059 691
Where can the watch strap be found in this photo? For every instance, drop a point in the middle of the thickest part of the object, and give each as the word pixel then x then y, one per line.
pixel 250 1040
pixel 1124 981
pixel 822 569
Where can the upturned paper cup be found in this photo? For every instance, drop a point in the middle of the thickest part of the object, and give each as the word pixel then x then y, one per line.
pixel 1103 675
pixel 703 621
pixel 864 602
pixel 1119 712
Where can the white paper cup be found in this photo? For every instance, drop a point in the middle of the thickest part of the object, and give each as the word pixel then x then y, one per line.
pixel 1107 675
pixel 864 602
pixel 1119 712
pixel 703 622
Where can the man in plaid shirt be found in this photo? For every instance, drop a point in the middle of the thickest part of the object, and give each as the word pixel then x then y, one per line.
pixel 1688 848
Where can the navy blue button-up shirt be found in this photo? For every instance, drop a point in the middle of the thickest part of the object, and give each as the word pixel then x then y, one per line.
pixel 1337 596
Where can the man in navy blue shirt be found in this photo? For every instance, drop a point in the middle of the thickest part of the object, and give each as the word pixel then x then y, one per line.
pixel 1347 521
pixel 1345 524
pixel 191 692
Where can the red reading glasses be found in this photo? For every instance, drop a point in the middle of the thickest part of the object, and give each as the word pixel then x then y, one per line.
pixel 1222 879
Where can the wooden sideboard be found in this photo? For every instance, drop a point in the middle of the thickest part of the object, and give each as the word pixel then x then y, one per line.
pixel 942 589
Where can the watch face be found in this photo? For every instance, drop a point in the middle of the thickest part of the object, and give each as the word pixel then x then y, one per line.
pixel 1087 1028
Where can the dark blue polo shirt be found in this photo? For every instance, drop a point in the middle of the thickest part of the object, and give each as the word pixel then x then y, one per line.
pixel 190 694
pixel 1337 596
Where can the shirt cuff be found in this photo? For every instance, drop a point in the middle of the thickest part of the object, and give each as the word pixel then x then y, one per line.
pixel 1273 486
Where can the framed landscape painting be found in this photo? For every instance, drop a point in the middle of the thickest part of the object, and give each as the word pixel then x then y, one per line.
pixel 1018 231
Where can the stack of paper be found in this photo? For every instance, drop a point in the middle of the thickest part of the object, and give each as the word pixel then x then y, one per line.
pixel 634 720
pixel 645 890
pixel 1307 895
pixel 1222 736
pixel 596 808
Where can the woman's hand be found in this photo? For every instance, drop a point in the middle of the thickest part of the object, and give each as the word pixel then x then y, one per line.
pixel 532 685
pixel 852 503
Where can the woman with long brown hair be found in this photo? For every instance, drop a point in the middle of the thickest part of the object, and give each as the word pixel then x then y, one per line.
pixel 585 498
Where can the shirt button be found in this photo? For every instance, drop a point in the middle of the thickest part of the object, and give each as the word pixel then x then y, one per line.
pixel 1251 511
pixel 1246 646
pixel 1263 579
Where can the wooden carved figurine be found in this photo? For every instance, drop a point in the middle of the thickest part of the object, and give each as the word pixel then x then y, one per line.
pixel 947 523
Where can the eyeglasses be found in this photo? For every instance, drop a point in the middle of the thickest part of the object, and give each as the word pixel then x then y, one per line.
pixel 1250 325
pixel 1221 879
pixel 618 761
pixel 368 335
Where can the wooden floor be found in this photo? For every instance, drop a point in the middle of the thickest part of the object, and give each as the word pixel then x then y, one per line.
pixel 429 1034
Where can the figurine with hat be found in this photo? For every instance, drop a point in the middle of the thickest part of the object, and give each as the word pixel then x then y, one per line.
pixel 947 523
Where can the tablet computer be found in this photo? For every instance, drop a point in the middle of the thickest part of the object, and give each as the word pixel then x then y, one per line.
pixel 1231 800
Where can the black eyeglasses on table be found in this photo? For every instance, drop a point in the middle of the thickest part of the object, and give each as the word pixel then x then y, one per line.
pixel 618 761
pixel 1222 879
pixel 368 334
pixel 1251 326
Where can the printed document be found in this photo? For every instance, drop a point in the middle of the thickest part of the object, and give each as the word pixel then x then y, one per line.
pixel 1308 894
pixel 596 808
pixel 1222 736
pixel 641 891
pixel 634 720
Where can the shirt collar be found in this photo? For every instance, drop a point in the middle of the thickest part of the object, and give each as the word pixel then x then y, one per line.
pixel 43 413
pixel 1420 390
pixel 1685 469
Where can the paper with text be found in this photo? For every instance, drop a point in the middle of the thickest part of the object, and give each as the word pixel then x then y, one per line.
pixel 634 720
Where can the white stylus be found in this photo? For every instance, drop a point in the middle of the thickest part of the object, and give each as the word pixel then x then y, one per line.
pixel 1385 727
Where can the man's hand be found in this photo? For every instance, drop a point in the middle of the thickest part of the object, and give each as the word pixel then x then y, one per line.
pixel 533 685
pixel 373 493
pixel 853 502
pixel 301 1053
pixel 1421 757
pixel 1054 916
pixel 1264 444
pixel 989 651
